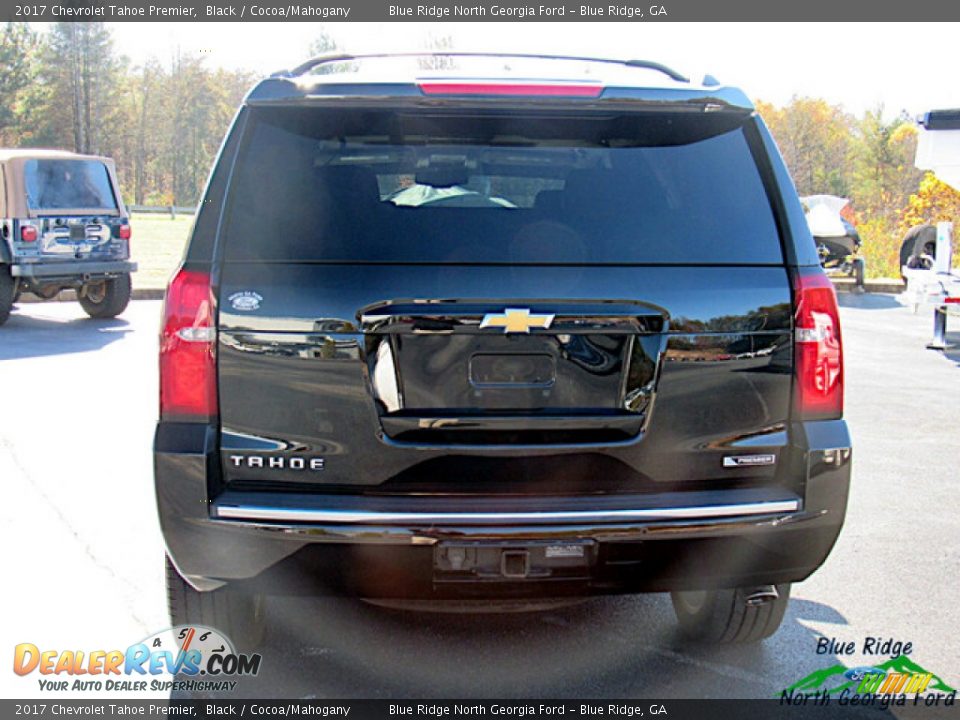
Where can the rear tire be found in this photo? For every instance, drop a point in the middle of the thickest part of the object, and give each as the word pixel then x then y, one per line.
pixel 8 293
pixel 237 615
pixel 106 299
pixel 723 616
pixel 920 240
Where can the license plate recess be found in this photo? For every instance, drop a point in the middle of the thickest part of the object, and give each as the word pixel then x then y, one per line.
pixel 492 561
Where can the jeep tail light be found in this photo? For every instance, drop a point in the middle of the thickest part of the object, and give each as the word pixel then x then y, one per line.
pixel 818 360
pixel 123 232
pixel 28 233
pixel 188 382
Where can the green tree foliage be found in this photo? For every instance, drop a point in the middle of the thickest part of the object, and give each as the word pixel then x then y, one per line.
pixel 884 175
pixel 79 73
pixel 163 125
pixel 146 103
pixel 17 69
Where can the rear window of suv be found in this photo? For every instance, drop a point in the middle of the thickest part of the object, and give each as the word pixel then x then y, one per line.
pixel 370 186
pixel 57 184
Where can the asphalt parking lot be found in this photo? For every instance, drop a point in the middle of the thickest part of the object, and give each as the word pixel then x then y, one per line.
pixel 83 552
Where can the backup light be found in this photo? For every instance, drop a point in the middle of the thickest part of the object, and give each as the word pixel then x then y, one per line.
pixel 188 379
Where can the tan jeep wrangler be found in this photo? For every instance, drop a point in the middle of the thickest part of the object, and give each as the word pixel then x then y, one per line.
pixel 63 225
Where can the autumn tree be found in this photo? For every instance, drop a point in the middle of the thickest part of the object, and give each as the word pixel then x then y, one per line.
pixel 884 175
pixel 933 202
pixel 815 139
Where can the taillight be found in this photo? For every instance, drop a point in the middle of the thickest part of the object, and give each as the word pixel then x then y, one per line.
pixel 123 232
pixel 818 349
pixel 508 88
pixel 188 381
pixel 28 233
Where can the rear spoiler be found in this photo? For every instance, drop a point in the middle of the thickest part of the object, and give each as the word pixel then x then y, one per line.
pixel 328 90
pixel 337 78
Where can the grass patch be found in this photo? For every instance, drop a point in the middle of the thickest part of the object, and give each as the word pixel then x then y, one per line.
pixel 157 246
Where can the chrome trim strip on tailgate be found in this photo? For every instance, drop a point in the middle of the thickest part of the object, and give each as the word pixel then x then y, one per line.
pixel 255 512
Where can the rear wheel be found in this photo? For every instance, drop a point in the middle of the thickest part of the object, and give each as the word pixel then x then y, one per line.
pixel 107 298
pixel 237 615
pixel 919 246
pixel 726 616
pixel 8 293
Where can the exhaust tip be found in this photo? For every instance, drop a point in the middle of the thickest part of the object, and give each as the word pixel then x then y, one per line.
pixel 760 595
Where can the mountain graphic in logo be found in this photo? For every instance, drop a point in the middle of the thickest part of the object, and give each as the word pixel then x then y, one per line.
pixel 835 679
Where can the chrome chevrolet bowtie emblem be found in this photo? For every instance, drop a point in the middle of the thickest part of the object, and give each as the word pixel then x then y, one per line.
pixel 516 320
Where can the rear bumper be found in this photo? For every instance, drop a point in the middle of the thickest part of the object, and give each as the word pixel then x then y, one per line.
pixel 352 518
pixel 73 269
pixel 327 544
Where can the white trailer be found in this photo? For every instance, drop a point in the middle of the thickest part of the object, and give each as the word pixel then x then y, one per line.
pixel 938 150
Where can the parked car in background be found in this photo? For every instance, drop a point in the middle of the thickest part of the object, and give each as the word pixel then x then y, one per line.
pixel 918 249
pixel 63 225
pixel 838 242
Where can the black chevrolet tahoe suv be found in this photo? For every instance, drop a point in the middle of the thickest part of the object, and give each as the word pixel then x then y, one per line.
pixel 485 334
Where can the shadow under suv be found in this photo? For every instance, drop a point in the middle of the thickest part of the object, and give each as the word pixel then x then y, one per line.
pixel 492 334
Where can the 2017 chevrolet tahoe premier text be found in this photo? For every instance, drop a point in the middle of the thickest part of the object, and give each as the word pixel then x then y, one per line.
pixel 499 336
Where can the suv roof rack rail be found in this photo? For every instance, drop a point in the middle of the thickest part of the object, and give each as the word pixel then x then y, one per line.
pixel 327 59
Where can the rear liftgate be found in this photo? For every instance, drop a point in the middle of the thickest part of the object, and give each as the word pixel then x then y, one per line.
pixel 517 373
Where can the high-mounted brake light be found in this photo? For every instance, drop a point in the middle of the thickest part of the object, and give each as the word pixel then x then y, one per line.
pixel 124 232
pixel 188 380
pixel 818 360
pixel 28 233
pixel 514 89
